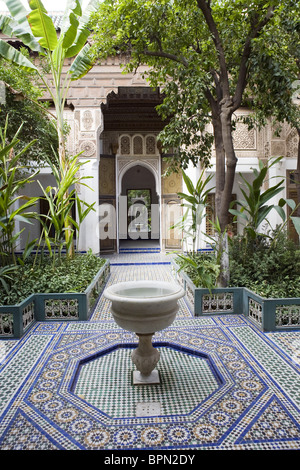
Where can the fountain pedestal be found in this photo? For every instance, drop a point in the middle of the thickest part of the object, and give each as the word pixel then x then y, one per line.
pixel 145 357
pixel 144 307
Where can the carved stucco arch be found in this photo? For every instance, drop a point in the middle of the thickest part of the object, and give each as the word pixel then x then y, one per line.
pixel 151 164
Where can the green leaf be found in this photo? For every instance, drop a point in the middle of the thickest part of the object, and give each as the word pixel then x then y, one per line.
pixel 191 199
pixel 11 54
pixel 81 64
pixel 282 202
pixel 262 214
pixel 291 203
pixel 251 232
pixel 271 192
pixel 42 26
pixel 6 149
pixel 76 4
pixel 11 27
pixel 188 183
pixel 17 10
pixel 238 213
pixel 70 34
pixel 280 211
pixel 82 32
pixel 73 8
pixel 296 222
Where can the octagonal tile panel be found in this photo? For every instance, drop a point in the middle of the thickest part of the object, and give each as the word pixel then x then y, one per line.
pixel 105 382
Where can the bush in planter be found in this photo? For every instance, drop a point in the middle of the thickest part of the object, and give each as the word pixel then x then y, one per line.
pixel 69 276
pixel 12 179
pixel 202 269
pixel 269 266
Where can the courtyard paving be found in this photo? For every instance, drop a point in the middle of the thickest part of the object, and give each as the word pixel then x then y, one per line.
pixel 225 385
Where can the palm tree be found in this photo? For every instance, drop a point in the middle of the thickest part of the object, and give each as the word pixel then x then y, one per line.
pixel 36 30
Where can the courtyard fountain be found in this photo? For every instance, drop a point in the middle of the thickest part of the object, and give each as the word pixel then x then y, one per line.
pixel 144 307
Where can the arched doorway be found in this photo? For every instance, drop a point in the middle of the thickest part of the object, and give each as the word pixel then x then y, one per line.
pixel 128 140
pixel 138 206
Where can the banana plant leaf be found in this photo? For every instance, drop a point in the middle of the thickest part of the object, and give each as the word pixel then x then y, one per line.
pixel 10 27
pixel 81 64
pixel 17 10
pixel 42 26
pixel 11 54
pixel 82 31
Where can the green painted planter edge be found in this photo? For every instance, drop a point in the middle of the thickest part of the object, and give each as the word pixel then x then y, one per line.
pixel 241 297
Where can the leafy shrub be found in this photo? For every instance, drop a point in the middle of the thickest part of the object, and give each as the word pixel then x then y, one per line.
pixel 71 275
pixel 267 268
pixel 201 268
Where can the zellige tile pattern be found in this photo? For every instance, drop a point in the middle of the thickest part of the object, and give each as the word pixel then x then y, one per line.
pixel 224 384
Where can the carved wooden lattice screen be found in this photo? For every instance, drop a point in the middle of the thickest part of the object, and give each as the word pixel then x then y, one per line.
pixel 210 215
pixel 171 208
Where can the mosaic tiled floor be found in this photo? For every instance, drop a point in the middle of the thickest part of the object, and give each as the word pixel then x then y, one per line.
pixel 224 384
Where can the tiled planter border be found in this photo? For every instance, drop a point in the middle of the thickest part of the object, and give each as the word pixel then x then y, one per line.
pixel 52 307
pixel 282 314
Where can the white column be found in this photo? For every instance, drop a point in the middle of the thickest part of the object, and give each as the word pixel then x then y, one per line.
pixel 277 173
pixel 89 230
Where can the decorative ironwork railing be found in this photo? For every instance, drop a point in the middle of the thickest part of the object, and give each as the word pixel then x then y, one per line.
pixel 267 314
pixel 6 324
pixel 62 309
pixel 288 315
pixel 28 315
pixel 220 302
pixel 255 311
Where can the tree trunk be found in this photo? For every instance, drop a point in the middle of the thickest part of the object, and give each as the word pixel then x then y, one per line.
pixel 224 276
pixel 224 184
pixel 298 174
pixel 220 164
pixel 231 162
pixel 225 158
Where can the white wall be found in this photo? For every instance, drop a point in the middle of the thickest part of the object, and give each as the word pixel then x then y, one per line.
pixel 89 230
pixel 33 230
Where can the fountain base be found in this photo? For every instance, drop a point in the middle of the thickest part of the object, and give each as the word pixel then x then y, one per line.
pixel 140 379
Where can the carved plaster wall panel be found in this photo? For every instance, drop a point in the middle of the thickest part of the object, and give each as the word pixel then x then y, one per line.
pixel 150 143
pixel 87 120
pixel 88 147
pixel 109 142
pixel 279 133
pixel 138 144
pixel 86 135
pixel 260 141
pixel 278 148
pixel 138 148
pixel 125 145
pixel 292 144
pixel 153 162
pixel 243 138
pixel 77 116
pixel 171 213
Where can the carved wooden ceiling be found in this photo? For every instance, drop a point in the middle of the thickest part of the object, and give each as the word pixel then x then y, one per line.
pixel 132 109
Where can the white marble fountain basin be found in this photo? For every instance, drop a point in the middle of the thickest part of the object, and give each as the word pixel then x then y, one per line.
pixel 144 307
